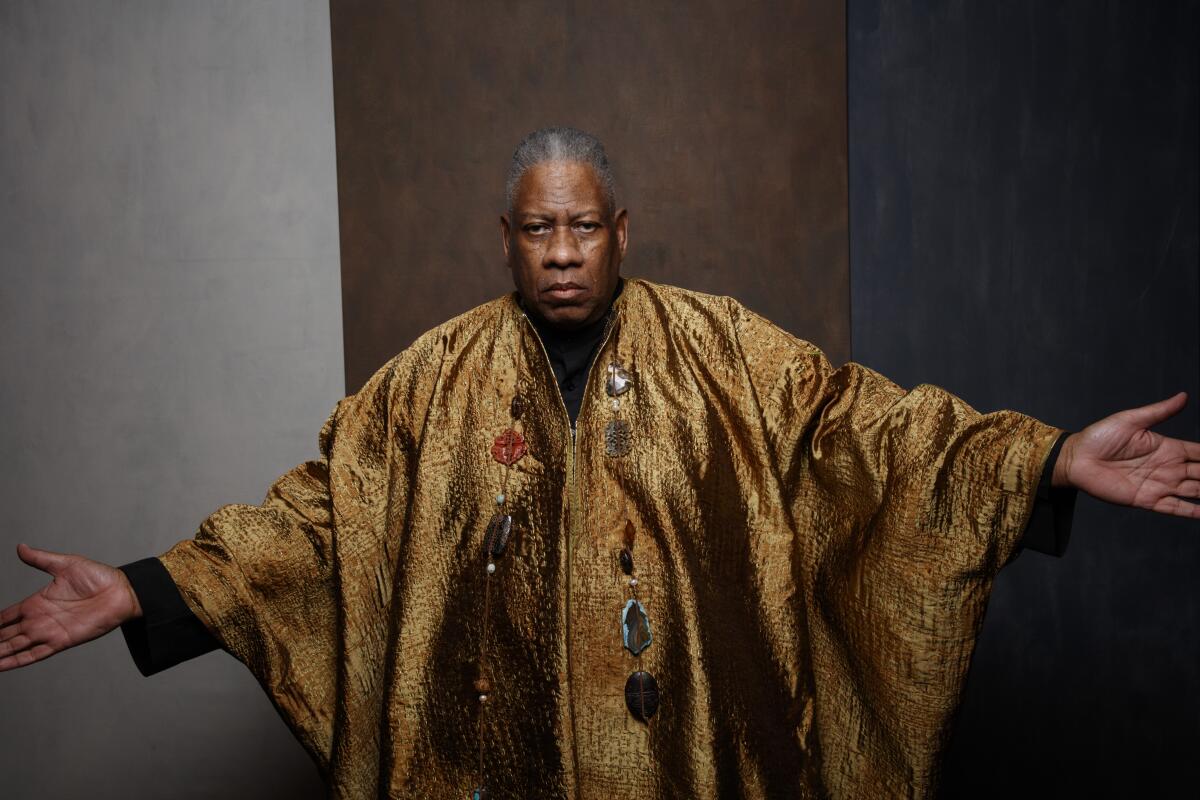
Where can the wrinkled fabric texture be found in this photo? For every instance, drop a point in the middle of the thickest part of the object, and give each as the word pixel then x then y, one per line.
pixel 815 548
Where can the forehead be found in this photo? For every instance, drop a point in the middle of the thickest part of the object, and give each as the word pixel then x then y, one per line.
pixel 559 186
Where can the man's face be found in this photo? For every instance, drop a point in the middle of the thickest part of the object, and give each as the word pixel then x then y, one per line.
pixel 564 244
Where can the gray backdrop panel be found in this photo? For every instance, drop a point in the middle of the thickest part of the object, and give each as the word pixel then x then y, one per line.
pixel 170 336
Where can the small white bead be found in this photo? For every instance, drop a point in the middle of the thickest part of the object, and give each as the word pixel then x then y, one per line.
pixel 616 404
pixel 500 499
pixel 633 581
pixel 483 698
pixel 491 568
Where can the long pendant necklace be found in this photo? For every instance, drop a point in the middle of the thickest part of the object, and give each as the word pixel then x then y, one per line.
pixel 507 449
pixel 641 689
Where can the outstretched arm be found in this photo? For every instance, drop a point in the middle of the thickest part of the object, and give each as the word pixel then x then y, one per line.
pixel 84 600
pixel 1120 460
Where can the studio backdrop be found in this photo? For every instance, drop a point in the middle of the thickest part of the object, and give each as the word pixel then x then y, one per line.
pixel 996 198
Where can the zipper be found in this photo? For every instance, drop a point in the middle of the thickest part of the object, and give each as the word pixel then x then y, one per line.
pixel 574 504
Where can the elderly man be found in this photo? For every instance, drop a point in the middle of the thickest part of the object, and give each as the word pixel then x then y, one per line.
pixel 606 538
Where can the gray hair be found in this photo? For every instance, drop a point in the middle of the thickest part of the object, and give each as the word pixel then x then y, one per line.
pixel 559 144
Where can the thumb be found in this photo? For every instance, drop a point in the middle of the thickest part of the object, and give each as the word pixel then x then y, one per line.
pixel 45 560
pixel 1153 414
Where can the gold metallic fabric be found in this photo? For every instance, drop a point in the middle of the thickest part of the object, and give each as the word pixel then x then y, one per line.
pixel 815 548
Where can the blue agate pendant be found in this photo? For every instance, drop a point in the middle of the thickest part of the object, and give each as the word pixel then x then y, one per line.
pixel 635 627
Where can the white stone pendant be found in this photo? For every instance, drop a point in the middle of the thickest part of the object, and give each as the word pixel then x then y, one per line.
pixel 619 381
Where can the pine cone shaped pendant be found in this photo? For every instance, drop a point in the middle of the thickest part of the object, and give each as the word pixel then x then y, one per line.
pixel 618 438
pixel 495 539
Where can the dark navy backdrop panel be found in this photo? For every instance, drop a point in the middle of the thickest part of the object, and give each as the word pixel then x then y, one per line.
pixel 1023 224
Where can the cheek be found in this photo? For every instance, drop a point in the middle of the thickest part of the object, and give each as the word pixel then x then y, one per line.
pixel 529 256
pixel 598 256
pixel 593 251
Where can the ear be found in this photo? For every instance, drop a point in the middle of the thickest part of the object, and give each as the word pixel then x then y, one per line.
pixel 621 225
pixel 504 236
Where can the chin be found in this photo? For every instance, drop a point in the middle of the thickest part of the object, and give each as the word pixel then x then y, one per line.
pixel 567 316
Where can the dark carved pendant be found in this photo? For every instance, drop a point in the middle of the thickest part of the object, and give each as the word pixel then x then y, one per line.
pixel 509 447
pixel 635 627
pixel 496 537
pixel 517 408
pixel 618 438
pixel 641 695
pixel 626 559
pixel 618 381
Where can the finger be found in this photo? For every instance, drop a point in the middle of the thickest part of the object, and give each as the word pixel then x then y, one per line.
pixel 1188 488
pixel 9 631
pixel 26 657
pixel 1178 508
pixel 1153 414
pixel 15 645
pixel 1191 449
pixel 45 560
pixel 10 615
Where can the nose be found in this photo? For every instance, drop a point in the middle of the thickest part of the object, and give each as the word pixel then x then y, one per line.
pixel 562 251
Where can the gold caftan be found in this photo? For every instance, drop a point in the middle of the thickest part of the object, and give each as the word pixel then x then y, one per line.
pixel 814 550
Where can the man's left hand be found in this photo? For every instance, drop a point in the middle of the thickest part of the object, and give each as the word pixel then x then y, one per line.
pixel 1120 460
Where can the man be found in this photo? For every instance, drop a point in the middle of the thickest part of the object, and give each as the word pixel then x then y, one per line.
pixel 711 564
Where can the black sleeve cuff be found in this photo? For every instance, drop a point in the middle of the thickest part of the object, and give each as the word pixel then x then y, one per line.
pixel 1049 526
pixel 167 633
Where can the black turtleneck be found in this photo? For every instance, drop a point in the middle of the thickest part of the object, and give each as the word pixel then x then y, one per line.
pixel 571 353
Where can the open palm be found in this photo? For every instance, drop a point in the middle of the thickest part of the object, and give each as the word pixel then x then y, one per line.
pixel 1120 460
pixel 86 599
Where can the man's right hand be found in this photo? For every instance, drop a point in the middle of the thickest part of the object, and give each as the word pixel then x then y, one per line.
pixel 85 600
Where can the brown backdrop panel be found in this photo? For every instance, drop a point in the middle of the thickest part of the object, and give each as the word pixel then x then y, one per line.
pixel 726 127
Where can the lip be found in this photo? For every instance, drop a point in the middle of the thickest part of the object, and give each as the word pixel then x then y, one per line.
pixel 564 291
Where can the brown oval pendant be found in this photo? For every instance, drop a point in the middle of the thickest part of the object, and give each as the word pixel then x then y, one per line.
pixel 496 537
pixel 641 695
pixel 628 535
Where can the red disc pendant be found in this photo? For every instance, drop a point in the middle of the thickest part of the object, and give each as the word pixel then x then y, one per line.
pixel 508 447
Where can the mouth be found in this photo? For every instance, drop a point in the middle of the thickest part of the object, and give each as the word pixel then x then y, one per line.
pixel 564 291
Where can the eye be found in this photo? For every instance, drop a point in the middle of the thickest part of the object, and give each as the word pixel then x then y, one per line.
pixel 587 227
pixel 537 228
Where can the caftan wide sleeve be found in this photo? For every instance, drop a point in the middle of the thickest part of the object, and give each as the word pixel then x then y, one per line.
pixel 905 505
pixel 263 580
